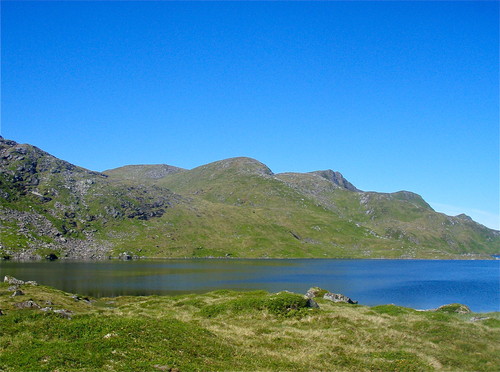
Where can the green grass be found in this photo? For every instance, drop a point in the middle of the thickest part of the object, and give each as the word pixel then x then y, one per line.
pixel 247 331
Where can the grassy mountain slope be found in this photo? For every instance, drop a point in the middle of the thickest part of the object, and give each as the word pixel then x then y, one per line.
pixel 402 216
pixel 142 173
pixel 235 207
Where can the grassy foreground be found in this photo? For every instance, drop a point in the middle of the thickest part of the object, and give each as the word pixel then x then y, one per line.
pixel 226 330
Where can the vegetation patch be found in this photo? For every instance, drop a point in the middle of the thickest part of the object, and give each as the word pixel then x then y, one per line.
pixel 392 310
pixel 454 308
pixel 281 304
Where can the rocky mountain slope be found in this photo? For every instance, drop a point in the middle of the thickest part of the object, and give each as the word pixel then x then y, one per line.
pixel 231 208
pixel 48 205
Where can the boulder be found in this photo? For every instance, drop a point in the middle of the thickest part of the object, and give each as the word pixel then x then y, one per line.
pixel 11 280
pixel 337 297
pixel 315 292
pixel 17 292
pixel 125 256
pixel 63 313
pixel 29 304
pixel 312 304
pixel 51 257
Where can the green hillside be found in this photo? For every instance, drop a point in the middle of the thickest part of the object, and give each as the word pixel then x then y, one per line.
pixel 230 208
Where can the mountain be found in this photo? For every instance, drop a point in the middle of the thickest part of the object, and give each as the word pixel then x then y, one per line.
pixel 48 205
pixel 230 208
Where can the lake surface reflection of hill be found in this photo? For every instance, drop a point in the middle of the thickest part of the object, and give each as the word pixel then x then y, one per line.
pixel 420 284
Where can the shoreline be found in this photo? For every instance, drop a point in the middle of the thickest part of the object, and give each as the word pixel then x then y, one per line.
pixel 469 257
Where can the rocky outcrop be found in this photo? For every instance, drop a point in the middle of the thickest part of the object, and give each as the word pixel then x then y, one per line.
pixel 317 292
pixel 67 205
pixel 337 297
pixel 28 304
pixel 11 280
pixel 337 179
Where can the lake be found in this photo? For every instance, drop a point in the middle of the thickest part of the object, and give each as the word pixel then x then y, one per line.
pixel 419 284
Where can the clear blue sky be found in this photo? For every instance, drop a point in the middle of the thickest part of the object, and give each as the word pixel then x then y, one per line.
pixel 395 95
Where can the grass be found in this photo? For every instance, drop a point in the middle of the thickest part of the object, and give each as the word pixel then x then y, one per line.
pixel 227 330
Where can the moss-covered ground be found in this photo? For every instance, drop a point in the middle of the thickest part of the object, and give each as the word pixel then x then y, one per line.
pixel 226 330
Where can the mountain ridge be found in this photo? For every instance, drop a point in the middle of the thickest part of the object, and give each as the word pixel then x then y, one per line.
pixel 234 207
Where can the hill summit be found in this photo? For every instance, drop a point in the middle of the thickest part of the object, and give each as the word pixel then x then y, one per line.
pixel 235 207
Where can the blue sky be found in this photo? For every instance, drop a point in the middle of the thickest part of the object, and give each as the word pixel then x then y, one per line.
pixel 395 95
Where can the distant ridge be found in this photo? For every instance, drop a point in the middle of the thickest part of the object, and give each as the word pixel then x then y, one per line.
pixel 143 171
pixel 234 207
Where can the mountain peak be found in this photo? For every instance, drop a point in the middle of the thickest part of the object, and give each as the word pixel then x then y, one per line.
pixel 28 162
pixel 337 178
pixel 243 164
pixel 464 217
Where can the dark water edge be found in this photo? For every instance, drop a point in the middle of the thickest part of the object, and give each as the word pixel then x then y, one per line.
pixel 419 284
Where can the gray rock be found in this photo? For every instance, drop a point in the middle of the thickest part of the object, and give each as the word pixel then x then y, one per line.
pixel 51 257
pixel 312 304
pixel 337 179
pixel 315 292
pixel 13 288
pixel 16 282
pixel 11 280
pixel 337 297
pixel 18 292
pixel 125 256
pixel 29 304
pixel 63 313
pixel 479 318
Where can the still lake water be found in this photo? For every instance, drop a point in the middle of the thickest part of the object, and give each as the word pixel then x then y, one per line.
pixel 420 284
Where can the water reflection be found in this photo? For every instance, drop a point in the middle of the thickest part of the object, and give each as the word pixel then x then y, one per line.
pixel 417 283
